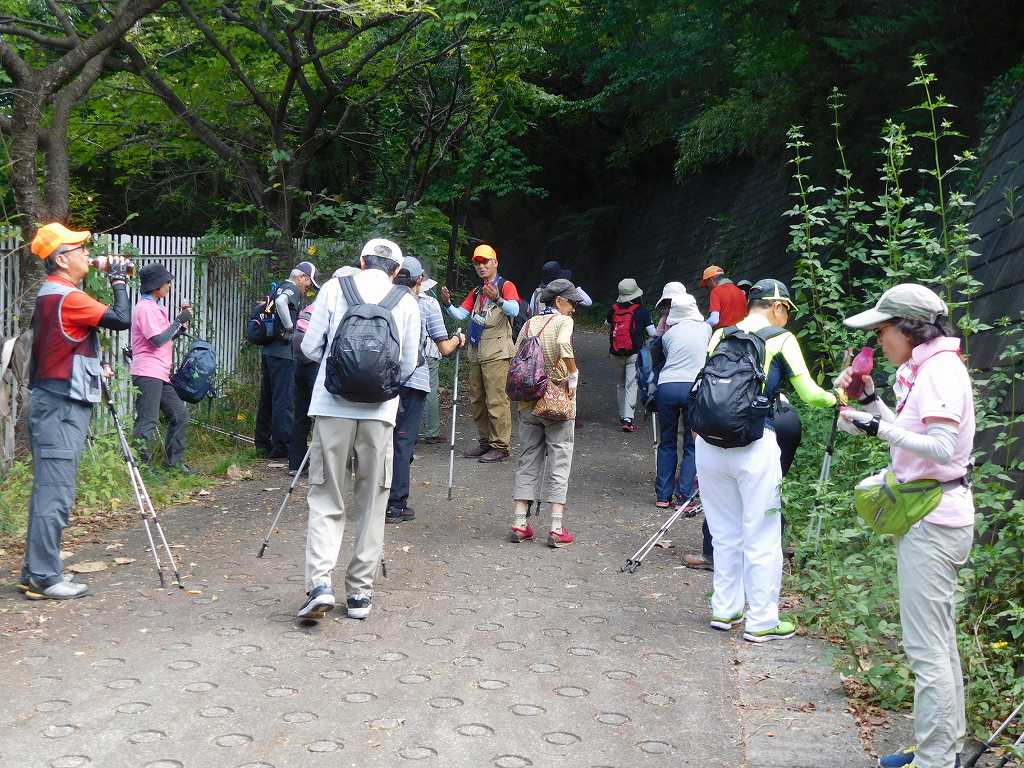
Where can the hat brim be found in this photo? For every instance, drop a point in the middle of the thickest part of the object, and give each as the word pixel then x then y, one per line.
pixel 483 259
pixel 630 296
pixel 867 320
pixel 428 284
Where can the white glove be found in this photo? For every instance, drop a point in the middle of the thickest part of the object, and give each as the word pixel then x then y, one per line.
pixel 574 380
pixel 849 418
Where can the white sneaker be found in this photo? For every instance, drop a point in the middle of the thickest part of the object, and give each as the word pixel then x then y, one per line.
pixel 62 590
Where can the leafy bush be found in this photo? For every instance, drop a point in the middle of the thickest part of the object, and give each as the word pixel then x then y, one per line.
pixel 847 252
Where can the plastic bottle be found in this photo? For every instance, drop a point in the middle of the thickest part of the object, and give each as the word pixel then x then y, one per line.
pixel 862 365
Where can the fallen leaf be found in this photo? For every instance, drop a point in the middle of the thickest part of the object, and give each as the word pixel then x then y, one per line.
pixel 234 472
pixel 271 489
pixel 203 492
pixel 88 567
pixel 124 560
pixel 115 545
pixel 64 554
pixel 276 465
pixel 193 592
pixel 664 543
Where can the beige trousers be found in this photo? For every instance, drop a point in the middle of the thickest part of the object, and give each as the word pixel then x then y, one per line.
pixel 545 459
pixel 927 560
pixel 489 404
pixel 336 443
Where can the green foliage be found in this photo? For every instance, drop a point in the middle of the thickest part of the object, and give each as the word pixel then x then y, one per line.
pixel 847 253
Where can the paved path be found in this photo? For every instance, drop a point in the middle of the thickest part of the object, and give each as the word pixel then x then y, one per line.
pixel 478 652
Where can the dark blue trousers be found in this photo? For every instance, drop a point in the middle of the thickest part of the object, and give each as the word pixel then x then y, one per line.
pixel 305 377
pixel 274 418
pixel 672 400
pixel 407 426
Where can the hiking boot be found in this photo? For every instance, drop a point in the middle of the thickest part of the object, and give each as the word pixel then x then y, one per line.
pixel 408 514
pixel 62 590
pixel 628 425
pixel 435 440
pixel 476 453
pixel 319 602
pixel 493 456
pixel 780 631
pixel 700 562
pixel 726 624
pixel 359 606
pixel 559 539
pixel 519 535
pixel 393 516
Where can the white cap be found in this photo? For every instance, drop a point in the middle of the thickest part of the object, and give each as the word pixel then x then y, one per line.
pixel 387 249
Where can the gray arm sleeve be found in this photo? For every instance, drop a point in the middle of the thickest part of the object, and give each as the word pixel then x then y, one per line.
pixel 162 338
pixel 938 445
pixel 284 312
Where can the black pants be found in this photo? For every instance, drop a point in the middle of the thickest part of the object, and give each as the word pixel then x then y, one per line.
pixel 305 377
pixel 156 395
pixel 274 418
pixel 407 426
pixel 788 433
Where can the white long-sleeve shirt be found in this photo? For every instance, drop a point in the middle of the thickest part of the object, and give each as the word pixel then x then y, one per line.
pixel 373 285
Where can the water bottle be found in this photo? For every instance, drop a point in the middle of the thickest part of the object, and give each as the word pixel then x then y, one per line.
pixel 862 365
pixel 102 263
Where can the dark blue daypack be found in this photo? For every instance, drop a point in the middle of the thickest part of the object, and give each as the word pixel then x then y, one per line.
pixel 194 378
pixel 649 362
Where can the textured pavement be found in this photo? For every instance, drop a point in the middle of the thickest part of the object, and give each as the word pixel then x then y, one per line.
pixel 478 652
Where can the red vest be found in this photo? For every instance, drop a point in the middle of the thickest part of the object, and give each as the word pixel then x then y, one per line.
pixel 59 362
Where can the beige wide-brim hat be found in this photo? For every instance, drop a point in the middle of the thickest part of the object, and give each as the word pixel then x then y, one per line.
pixel 906 300
pixel 628 290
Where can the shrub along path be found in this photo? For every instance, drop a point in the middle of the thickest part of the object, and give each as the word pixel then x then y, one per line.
pixel 478 652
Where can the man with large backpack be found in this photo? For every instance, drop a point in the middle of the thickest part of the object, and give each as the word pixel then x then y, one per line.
pixel 277 386
pixel 495 313
pixel 628 319
pixel 738 464
pixel 365 331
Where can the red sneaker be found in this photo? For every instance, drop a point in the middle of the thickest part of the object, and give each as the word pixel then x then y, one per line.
pixel 519 535
pixel 628 426
pixel 560 538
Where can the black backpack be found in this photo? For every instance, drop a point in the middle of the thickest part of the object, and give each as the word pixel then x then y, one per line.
pixel 727 404
pixel 364 361
pixel 262 326
pixel 519 320
pixel 194 378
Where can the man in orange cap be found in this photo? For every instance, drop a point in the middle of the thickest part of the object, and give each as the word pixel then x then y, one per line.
pixel 728 303
pixel 64 384
pixel 491 308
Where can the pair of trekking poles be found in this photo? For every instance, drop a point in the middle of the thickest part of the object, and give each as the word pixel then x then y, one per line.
pixel 305 460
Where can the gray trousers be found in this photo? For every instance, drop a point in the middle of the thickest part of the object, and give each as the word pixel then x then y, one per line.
pixel 927 560
pixel 537 480
pixel 57 429
pixel 335 443
pixel 431 426
pixel 156 395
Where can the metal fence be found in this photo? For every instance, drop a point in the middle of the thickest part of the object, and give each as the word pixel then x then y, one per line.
pixel 218 289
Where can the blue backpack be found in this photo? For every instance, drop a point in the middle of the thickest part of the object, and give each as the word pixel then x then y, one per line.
pixel 649 362
pixel 194 378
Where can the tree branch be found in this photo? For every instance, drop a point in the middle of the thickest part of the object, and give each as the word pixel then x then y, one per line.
pixel 63 18
pixel 13 64
pixel 212 39
pixel 37 37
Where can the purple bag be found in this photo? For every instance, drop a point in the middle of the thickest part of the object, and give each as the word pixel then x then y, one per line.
pixel 527 378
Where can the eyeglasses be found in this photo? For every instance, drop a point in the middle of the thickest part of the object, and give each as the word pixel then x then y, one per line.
pixel 76 248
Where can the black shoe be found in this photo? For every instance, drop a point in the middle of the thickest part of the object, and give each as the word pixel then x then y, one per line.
pixel 181 469
pixel 319 602
pixel 393 516
pixel 408 513
pixel 359 606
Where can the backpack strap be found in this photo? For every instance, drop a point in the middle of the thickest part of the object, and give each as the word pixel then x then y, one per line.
pixel 538 333
pixel 350 292
pixel 770 333
pixel 394 296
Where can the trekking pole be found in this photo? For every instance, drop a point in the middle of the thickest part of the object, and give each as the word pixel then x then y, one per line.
pixel 654 430
pixel 220 431
pixel 990 741
pixel 284 503
pixel 146 510
pixel 637 559
pixel 826 464
pixel 455 407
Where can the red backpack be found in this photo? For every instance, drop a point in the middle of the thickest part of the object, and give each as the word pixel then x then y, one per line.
pixel 527 379
pixel 623 341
